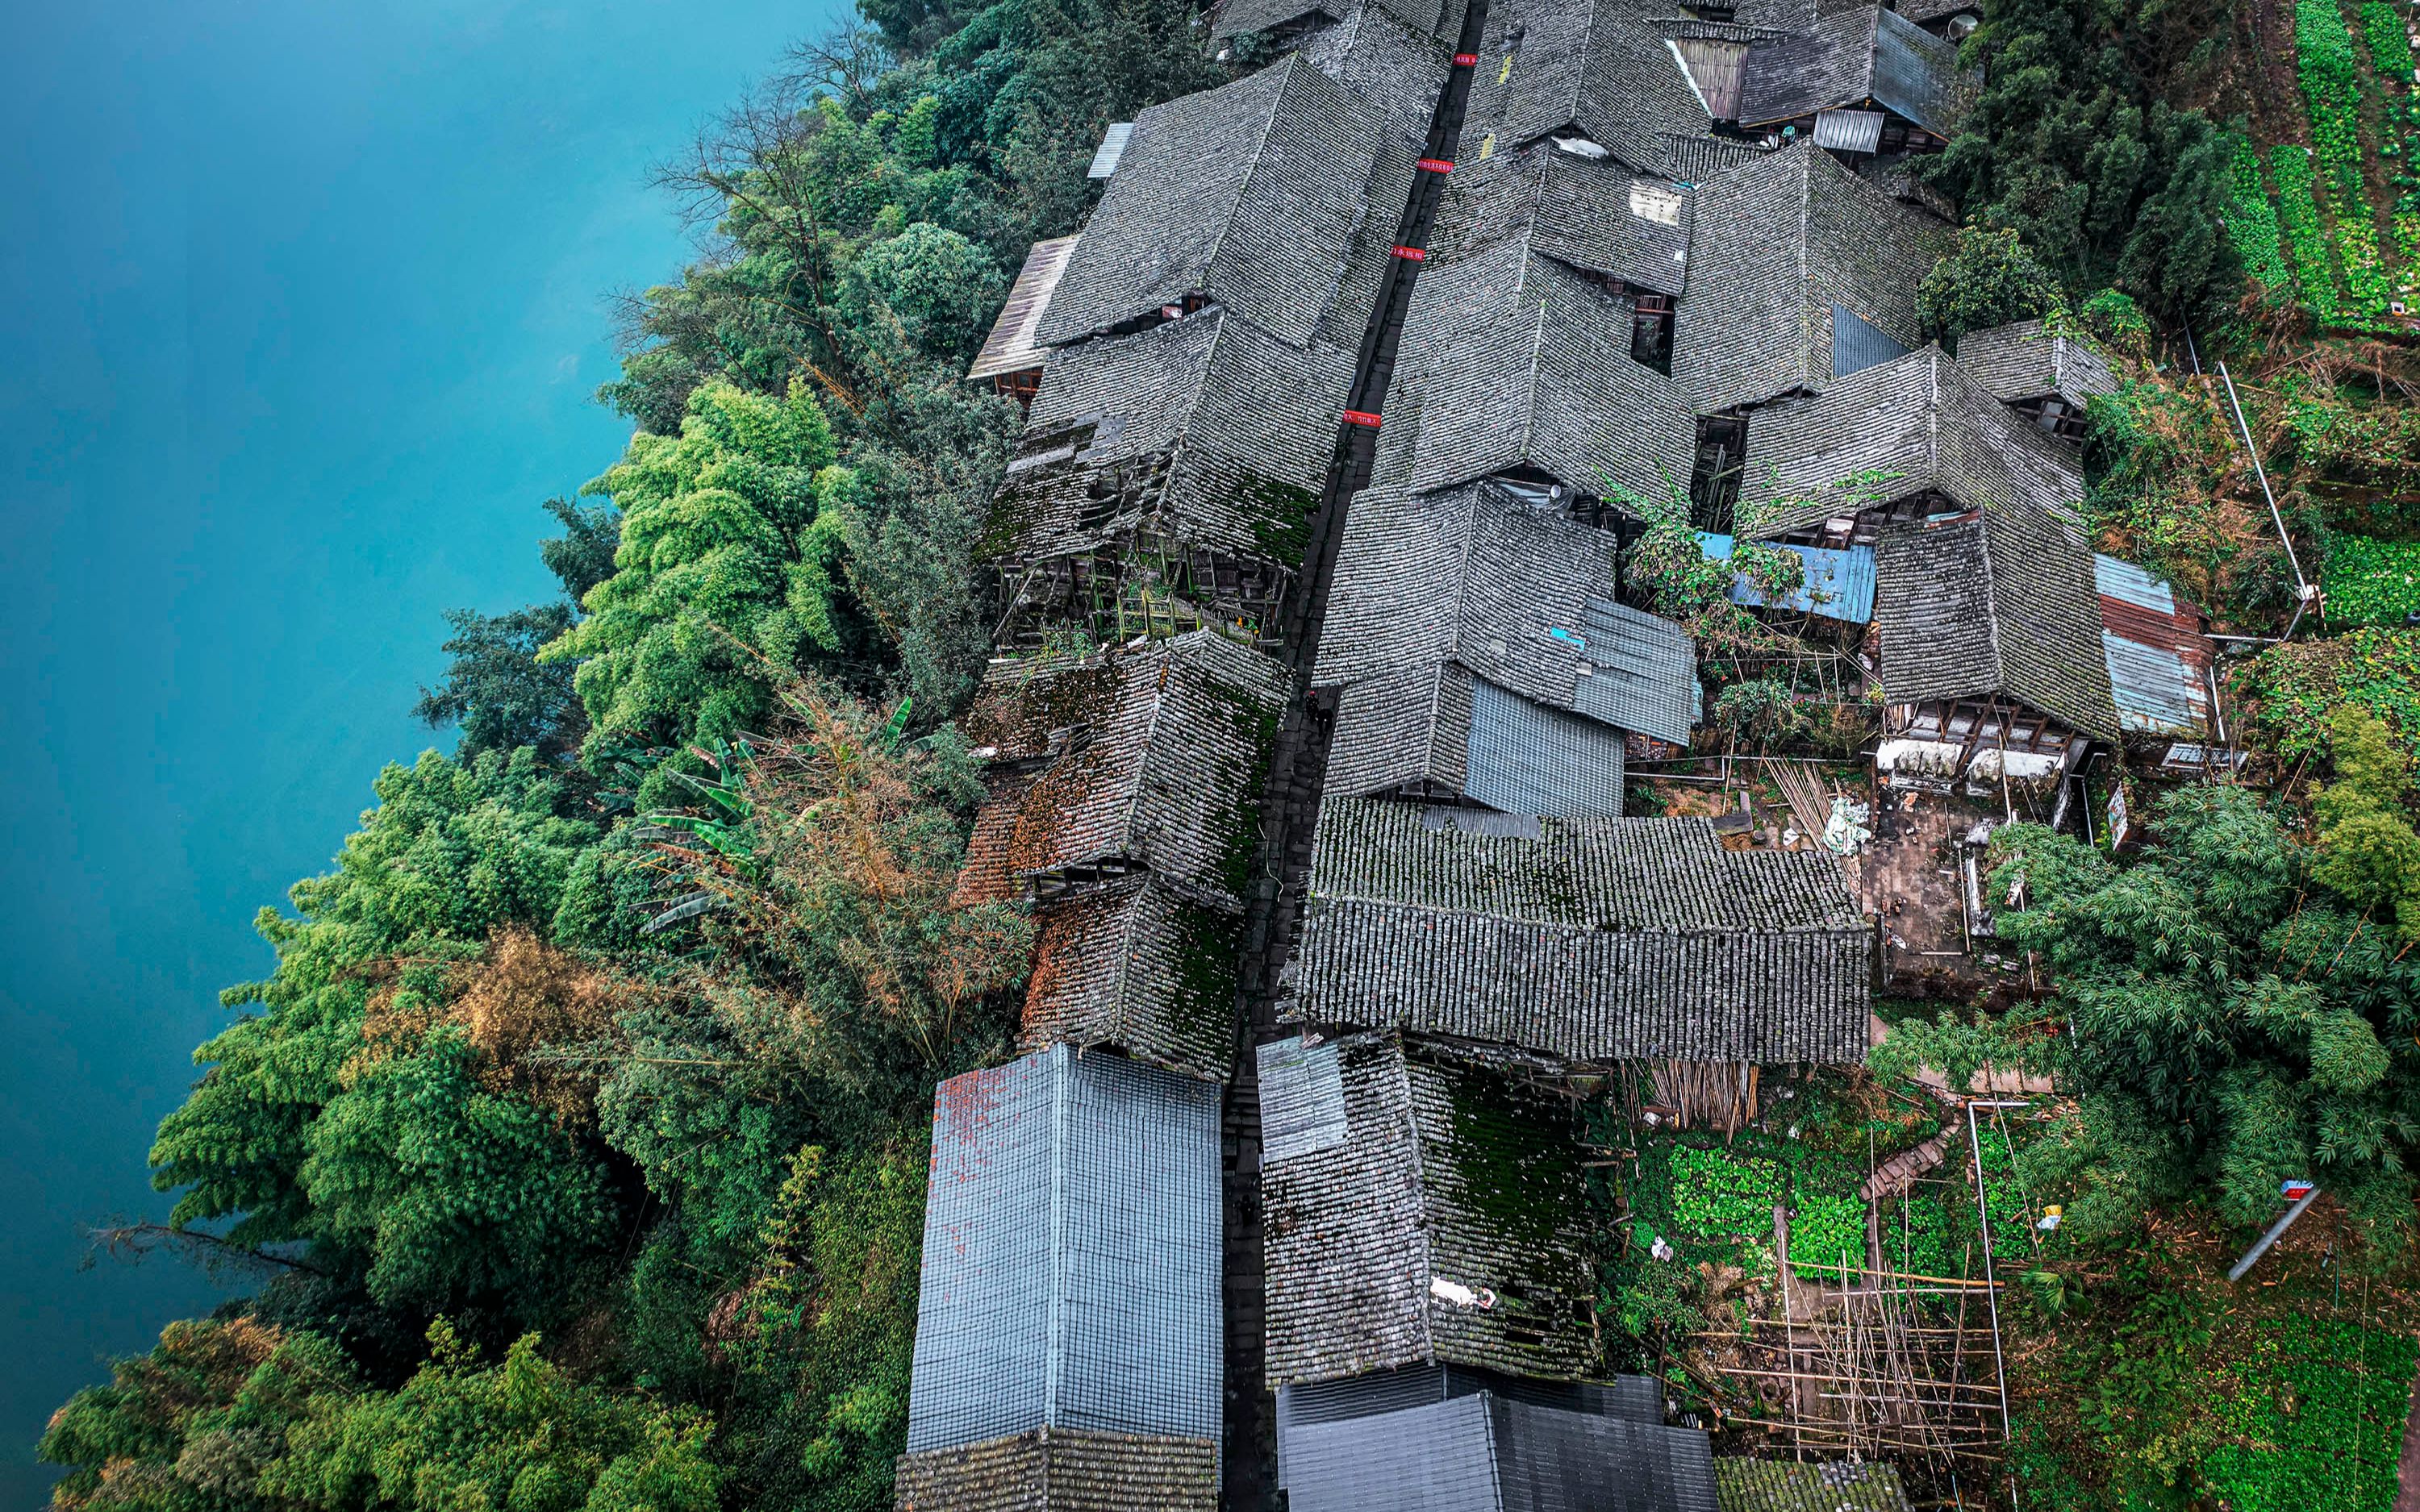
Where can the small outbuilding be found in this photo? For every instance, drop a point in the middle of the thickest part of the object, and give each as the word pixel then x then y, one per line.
pixel 1418 1208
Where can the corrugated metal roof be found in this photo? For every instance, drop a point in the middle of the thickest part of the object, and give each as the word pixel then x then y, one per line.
pixel 1858 344
pixel 1113 147
pixel 2128 583
pixel 1527 759
pixel 1916 74
pixel 1302 1100
pixel 1011 347
pixel 2159 658
pixel 1070 1270
pixel 1849 131
pixel 1840 584
pixel 1486 1453
pixel 1643 671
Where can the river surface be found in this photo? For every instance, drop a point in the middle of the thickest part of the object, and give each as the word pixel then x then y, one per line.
pixel 302 306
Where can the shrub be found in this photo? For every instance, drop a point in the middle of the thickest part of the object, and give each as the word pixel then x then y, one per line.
pixel 2370 582
pixel 1989 279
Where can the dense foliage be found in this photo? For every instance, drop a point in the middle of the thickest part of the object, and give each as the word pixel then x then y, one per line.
pixel 2079 143
pixel 2242 1013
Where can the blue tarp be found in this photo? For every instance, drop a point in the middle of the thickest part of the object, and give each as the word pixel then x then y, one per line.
pixel 1839 583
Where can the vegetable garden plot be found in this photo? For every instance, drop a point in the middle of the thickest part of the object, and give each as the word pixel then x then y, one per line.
pixel 2305 219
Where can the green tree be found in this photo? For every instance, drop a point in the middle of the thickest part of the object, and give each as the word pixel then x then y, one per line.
pixel 2258 1030
pixel 2368 853
pixel 453 852
pixel 2079 143
pixel 723 583
pixel 519 1435
pixel 494 687
pixel 1990 278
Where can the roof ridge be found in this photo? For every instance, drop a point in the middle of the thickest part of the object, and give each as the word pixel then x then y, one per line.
pixel 1990 591
pixel 1260 150
pixel 1537 359
pixel 1402 1068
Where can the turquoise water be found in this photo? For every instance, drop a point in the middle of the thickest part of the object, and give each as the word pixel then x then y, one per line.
pixel 300 308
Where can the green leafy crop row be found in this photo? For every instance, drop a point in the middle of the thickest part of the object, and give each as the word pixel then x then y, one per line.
pixel 2306 237
pixel 2390 57
pixel 2331 78
pixel 2252 223
pixel 2316 1418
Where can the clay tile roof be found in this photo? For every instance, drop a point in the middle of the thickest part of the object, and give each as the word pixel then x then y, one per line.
pixel 1476 638
pixel 1914 426
pixel 1778 245
pixel 1853 59
pixel 1595 215
pixel 1136 965
pixel 1587 68
pixel 2003 600
pixel 1511 359
pixel 1147 758
pixel 1204 429
pixel 2030 361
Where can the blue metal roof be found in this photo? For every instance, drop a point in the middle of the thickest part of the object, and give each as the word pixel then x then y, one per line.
pixel 1839 583
pixel 1527 759
pixel 1858 344
pixel 1642 671
pixel 1070 1270
pixel 1485 1453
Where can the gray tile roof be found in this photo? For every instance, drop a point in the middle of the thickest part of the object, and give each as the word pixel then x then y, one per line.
pixel 1249 193
pixel 1516 593
pixel 2030 361
pixel 1914 425
pixel 1782 1486
pixel 1071 1258
pixel 1396 67
pixel 1063 1470
pixel 1480 652
pixel 1448 1224
pixel 1487 1453
pixel 1202 430
pixel 1867 56
pixel 1590 66
pixel 1592 939
pixel 1138 966
pixel 2001 601
pixel 1585 213
pixel 1238 17
pixel 1509 359
pixel 1775 244
pixel 1149 757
